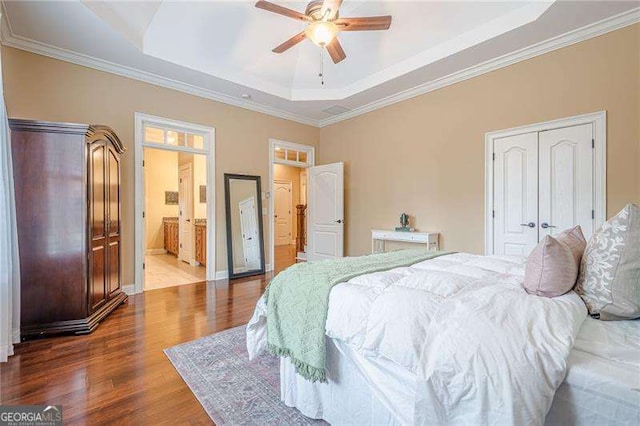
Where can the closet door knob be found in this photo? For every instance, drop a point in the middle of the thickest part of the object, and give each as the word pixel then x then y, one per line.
pixel 546 225
pixel 530 224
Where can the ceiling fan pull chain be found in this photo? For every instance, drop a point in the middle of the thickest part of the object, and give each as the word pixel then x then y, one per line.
pixel 321 75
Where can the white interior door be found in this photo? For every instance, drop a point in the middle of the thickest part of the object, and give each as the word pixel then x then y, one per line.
pixel 185 222
pixel 325 201
pixel 249 229
pixel 515 191
pixel 566 180
pixel 283 217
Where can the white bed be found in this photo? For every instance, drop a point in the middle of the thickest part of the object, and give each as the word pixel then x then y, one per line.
pixel 374 376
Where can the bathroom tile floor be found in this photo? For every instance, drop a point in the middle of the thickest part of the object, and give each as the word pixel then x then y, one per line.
pixel 165 270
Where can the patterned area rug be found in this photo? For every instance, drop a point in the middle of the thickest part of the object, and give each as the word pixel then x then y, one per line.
pixel 232 389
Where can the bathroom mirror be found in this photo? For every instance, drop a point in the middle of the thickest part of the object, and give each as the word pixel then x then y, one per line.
pixel 245 240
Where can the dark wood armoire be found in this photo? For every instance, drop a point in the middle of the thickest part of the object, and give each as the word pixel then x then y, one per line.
pixel 67 186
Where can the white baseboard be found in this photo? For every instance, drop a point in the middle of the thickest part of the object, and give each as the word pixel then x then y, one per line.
pixel 152 252
pixel 223 275
pixel 129 289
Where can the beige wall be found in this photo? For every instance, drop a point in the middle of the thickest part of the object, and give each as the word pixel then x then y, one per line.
pixel 161 174
pixel 41 88
pixel 290 174
pixel 425 156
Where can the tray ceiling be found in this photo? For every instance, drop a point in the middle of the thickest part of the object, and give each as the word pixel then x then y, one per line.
pixel 225 47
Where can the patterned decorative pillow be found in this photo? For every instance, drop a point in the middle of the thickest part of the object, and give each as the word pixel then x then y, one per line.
pixel 609 280
pixel 551 269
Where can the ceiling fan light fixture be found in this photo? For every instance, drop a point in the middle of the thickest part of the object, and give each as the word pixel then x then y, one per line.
pixel 321 32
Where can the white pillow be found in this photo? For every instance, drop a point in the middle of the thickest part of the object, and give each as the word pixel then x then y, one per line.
pixel 609 279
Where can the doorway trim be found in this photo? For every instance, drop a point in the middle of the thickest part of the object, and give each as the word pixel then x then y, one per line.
pixel 311 158
pixel 209 134
pixel 599 121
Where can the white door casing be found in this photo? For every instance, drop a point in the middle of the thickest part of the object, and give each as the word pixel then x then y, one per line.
pixel 303 186
pixel 571 176
pixel 325 228
pixel 283 217
pixel 516 194
pixel 566 180
pixel 185 219
pixel 249 229
pixel 270 195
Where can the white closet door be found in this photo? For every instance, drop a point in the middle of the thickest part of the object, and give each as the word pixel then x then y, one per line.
pixel 566 180
pixel 515 194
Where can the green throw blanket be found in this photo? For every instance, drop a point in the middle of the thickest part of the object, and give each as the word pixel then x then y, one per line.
pixel 298 302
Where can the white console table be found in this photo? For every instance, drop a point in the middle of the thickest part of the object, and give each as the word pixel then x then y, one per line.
pixel 378 238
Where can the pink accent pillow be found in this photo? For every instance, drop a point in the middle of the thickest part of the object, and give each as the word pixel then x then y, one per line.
pixel 574 238
pixel 551 269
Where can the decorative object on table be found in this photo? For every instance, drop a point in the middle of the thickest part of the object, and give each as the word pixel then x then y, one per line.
pixel 203 194
pixel 404 221
pixel 171 197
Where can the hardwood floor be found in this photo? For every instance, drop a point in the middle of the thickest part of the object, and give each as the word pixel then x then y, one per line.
pixel 285 256
pixel 119 374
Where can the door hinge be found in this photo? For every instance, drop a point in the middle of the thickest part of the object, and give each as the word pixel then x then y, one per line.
pixel 142 163
pixel 494 156
pixel 144 265
pixel 143 215
pixel 593 143
pixel 493 213
pixel 593 214
pixel 180 245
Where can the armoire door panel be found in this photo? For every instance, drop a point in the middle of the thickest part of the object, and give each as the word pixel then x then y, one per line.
pixel 97 294
pixel 113 259
pixel 113 166
pixel 566 179
pixel 113 271
pixel 98 193
pixel 515 194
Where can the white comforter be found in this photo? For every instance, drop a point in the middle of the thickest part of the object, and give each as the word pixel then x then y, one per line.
pixel 484 351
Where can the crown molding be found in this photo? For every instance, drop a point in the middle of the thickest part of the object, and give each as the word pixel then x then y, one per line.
pixel 10 39
pixel 596 29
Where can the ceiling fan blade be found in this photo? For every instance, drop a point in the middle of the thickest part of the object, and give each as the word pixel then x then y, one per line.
pixel 370 23
pixel 290 43
pixel 335 51
pixel 280 10
pixel 332 6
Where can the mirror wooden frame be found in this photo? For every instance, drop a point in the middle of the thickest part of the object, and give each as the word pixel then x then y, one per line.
pixel 227 197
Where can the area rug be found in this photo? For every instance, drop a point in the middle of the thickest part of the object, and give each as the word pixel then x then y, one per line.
pixel 232 389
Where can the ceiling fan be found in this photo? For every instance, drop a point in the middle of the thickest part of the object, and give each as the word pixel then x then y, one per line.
pixel 324 24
